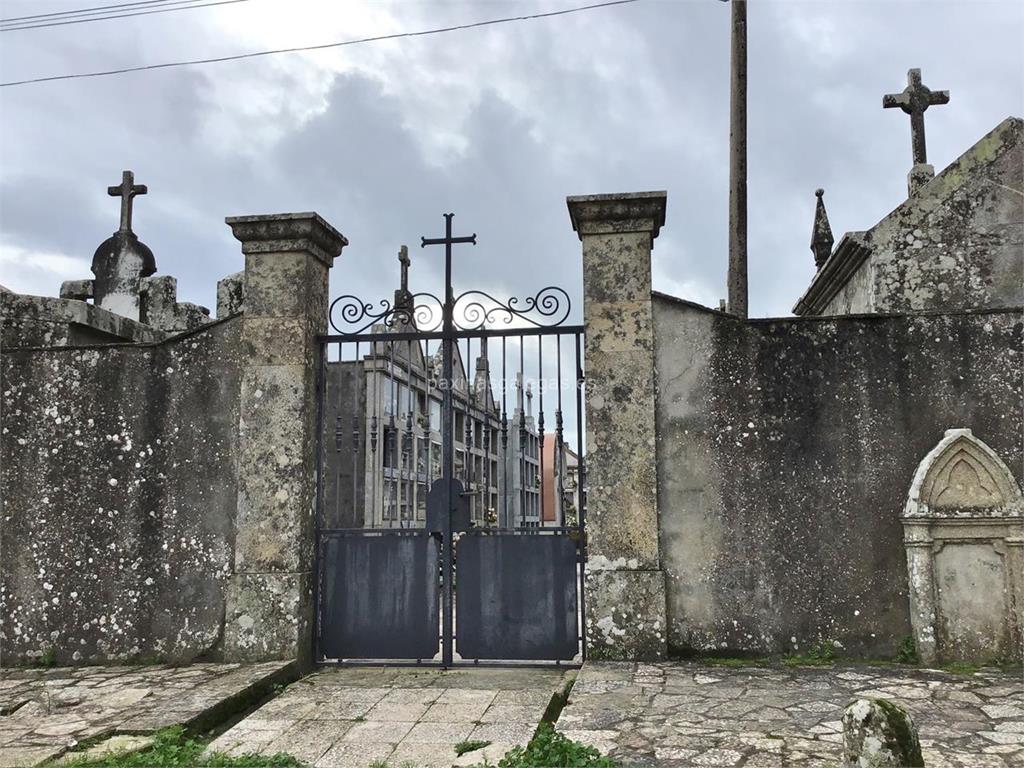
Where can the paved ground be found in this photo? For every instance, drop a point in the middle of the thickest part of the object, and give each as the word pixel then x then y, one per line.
pixel 44 713
pixel 681 714
pixel 667 715
pixel 354 717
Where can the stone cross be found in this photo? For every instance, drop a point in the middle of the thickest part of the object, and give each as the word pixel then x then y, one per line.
pixel 914 100
pixel 403 259
pixel 127 190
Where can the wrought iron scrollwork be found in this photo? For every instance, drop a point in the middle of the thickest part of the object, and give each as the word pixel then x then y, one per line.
pixel 475 310
pixel 349 314
pixel 472 311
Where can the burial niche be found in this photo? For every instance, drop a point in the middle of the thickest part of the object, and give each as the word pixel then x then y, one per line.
pixel 962 530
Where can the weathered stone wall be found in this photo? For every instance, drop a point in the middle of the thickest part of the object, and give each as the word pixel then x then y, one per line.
pixel 785 453
pixel 43 321
pixel 856 297
pixel 955 244
pixel 118 498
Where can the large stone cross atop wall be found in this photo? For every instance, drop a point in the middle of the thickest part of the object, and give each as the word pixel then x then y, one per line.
pixel 914 100
pixel 625 586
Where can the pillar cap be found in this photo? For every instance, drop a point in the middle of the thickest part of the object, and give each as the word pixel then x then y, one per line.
pixel 619 212
pixel 288 232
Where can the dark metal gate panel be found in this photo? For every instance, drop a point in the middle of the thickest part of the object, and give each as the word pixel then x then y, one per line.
pixel 381 596
pixel 516 596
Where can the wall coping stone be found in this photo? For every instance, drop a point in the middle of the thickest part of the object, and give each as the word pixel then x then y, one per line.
pixel 853 250
pixel 618 212
pixel 288 233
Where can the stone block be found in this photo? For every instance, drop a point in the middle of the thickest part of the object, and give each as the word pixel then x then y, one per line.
pixel 625 613
pixel 269 616
pixel 282 285
pixel 619 326
pixel 280 341
pixel 618 212
pixel 76 289
pixel 230 295
pixel 305 233
pixel 879 734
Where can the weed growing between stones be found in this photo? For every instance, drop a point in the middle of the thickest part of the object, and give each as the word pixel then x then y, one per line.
pixel 550 749
pixel 470 746
pixel 821 654
pixel 171 749
pixel 736 662
pixel 972 667
pixel 906 653
pixel 558 701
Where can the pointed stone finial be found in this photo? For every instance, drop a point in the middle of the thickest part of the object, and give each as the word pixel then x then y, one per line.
pixel 821 235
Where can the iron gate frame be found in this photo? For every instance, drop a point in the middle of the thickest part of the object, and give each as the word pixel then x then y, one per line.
pixel 449 335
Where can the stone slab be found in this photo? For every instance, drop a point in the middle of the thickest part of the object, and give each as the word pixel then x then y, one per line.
pixel 48 712
pixel 349 717
pixel 680 713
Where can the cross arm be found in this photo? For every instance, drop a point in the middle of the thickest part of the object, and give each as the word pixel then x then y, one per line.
pixel 446 240
pixel 899 100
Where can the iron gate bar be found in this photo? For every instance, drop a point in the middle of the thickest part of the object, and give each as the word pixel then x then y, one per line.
pixel 381 338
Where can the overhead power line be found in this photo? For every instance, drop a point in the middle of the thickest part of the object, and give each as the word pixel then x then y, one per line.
pixel 106 15
pixel 78 11
pixel 323 46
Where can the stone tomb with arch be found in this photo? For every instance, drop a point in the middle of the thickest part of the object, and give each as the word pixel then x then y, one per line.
pixel 965 553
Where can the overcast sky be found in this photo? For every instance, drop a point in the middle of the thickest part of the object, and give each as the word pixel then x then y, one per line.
pixel 497 124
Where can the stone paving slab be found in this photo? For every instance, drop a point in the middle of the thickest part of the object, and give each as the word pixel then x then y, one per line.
pixel 47 712
pixel 352 717
pixel 670 715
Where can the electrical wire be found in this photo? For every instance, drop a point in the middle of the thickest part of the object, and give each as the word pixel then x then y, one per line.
pixel 323 46
pixel 94 9
pixel 120 15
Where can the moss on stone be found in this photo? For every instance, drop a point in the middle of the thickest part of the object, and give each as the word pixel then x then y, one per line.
pixel 904 742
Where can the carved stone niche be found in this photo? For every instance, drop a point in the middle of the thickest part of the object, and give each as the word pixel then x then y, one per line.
pixel 962 528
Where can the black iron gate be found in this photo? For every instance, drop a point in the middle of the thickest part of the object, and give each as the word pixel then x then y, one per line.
pixel 450 524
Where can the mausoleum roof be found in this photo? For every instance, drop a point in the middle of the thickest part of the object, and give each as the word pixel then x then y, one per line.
pixel 957 188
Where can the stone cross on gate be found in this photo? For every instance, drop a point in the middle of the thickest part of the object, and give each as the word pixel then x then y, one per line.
pixel 914 100
pixel 127 190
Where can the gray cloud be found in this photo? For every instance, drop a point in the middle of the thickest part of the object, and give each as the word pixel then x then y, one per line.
pixel 498 125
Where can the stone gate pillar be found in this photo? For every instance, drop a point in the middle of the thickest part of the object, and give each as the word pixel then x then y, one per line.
pixel 625 586
pixel 269 604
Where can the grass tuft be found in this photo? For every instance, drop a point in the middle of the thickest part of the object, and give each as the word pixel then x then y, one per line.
pixel 470 746
pixel 551 749
pixel 171 749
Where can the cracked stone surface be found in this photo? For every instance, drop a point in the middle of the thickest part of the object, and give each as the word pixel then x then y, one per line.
pixel 46 713
pixel 684 714
pixel 349 718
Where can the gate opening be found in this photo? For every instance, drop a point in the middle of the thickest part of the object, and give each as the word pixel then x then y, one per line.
pixel 451 504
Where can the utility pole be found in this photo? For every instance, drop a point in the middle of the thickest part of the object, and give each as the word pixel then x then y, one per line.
pixel 737 278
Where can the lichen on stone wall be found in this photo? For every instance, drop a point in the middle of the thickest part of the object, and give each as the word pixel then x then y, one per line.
pixel 786 449
pixel 118 499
